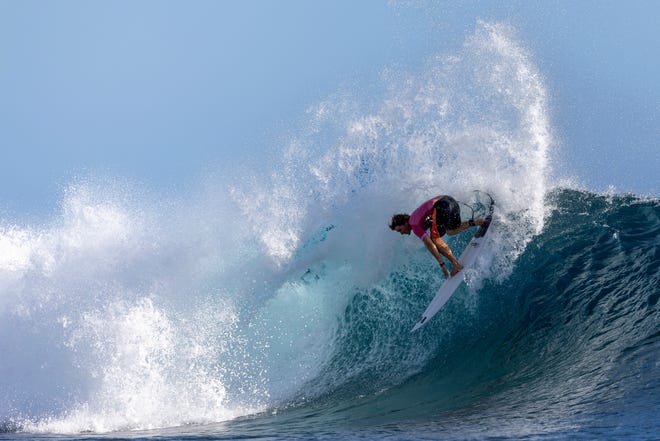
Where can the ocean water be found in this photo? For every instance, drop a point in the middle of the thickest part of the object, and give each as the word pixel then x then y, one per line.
pixel 278 304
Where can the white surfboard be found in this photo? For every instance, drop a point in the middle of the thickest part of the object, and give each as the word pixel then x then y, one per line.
pixel 450 285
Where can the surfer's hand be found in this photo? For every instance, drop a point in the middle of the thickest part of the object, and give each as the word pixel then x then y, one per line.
pixel 444 270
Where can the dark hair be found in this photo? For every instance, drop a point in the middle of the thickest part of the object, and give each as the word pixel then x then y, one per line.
pixel 398 220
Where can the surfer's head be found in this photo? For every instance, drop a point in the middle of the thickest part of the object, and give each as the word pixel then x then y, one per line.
pixel 400 223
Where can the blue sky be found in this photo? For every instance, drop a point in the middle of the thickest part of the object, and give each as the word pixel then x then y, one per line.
pixel 158 90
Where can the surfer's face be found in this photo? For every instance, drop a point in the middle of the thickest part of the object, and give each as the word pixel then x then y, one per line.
pixel 403 229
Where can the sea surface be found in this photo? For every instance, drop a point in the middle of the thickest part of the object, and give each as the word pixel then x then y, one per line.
pixel 278 305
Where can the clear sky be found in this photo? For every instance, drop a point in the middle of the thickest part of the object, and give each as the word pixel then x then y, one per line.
pixel 157 90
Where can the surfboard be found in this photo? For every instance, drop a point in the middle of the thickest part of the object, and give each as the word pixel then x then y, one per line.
pixel 467 259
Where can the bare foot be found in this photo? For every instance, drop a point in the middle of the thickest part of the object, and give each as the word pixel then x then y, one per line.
pixel 456 268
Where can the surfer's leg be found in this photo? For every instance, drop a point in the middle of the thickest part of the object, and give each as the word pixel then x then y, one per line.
pixel 465 225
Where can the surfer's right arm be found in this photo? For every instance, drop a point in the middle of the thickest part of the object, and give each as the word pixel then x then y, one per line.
pixel 436 253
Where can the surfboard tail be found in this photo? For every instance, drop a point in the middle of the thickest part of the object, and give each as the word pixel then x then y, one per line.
pixel 481 232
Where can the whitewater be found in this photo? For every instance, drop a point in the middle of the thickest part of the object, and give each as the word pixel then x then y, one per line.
pixel 271 300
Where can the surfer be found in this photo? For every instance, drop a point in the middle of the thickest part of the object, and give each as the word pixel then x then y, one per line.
pixel 440 215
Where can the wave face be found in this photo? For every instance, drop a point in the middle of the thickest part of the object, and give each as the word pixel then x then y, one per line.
pixel 570 336
pixel 281 292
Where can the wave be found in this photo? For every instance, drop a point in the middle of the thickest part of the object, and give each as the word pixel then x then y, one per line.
pixel 284 289
pixel 572 330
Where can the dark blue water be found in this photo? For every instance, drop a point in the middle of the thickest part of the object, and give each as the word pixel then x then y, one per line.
pixel 565 347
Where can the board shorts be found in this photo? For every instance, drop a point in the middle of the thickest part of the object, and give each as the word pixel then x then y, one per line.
pixel 447 216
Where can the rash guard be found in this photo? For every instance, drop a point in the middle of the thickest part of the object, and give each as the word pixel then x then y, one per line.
pixel 420 219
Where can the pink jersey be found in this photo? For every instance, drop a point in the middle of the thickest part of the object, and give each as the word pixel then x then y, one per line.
pixel 419 218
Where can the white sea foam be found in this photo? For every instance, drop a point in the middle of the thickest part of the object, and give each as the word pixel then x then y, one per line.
pixel 133 311
pixel 476 119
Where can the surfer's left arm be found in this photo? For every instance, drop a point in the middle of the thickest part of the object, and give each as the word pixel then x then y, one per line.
pixel 444 249
pixel 431 246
